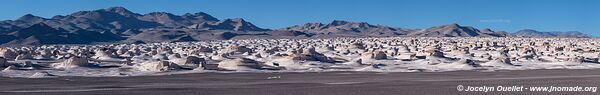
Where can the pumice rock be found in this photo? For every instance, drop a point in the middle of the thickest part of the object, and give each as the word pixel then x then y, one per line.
pixel 192 61
pixel 356 46
pixel 577 59
pixel 239 64
pixel 9 68
pixel 499 62
pixel 386 54
pixel 42 75
pixel 407 57
pixel 463 64
pixel 8 53
pixel 174 56
pixel 103 55
pixel 76 61
pixel 308 55
pixel 239 49
pixel 378 55
pixel 433 53
pixel 205 49
pixel 165 65
pixel 403 49
pixel 159 66
pixel 44 54
pixel 3 63
pixel 24 56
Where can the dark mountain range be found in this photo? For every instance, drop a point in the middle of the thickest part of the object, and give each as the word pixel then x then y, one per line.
pixel 455 30
pixel 119 25
pixel 175 21
pixel 236 24
pixel 346 28
pixel 39 34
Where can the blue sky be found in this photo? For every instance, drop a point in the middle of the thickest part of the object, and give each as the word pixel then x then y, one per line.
pixel 507 15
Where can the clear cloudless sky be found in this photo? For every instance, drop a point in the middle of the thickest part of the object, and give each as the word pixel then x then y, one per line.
pixel 504 15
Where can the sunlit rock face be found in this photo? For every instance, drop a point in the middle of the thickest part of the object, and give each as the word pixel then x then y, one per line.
pixel 159 66
pixel 240 64
pixel 390 54
pixel 75 61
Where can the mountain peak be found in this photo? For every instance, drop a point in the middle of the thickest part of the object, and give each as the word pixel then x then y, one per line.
pixel 313 24
pixel 339 22
pixel 487 30
pixel 236 24
pixel 160 14
pixel 342 23
pixel 241 20
pixel 28 15
pixel 199 17
pixel 30 18
pixel 117 9
pixel 120 10
pixel 195 14
pixel 453 25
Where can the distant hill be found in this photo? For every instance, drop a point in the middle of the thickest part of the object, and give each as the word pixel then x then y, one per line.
pixel 534 33
pixel 455 30
pixel 346 28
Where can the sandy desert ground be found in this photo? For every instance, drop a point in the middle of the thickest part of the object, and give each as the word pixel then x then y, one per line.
pixel 311 83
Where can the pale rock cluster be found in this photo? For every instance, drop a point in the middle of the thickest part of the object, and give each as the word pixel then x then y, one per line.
pixel 393 54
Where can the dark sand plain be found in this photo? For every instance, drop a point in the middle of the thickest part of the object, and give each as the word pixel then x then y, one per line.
pixel 308 83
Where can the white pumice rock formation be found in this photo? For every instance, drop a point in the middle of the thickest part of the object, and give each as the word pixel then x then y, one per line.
pixel 42 75
pixel 239 64
pixel 239 49
pixel 24 56
pixel 388 54
pixel 158 66
pixel 378 55
pixel 308 55
pixel 7 53
pixel 75 61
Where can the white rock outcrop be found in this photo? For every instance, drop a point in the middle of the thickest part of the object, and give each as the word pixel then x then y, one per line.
pixel 239 64
pixel 393 54
pixel 75 61
pixel 159 66
pixel 8 53
pixel 378 55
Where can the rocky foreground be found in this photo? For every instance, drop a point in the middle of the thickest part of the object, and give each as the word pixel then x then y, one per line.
pixel 392 54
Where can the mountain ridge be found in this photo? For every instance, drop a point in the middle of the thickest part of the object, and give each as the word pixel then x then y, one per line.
pixel 119 25
pixel 535 33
